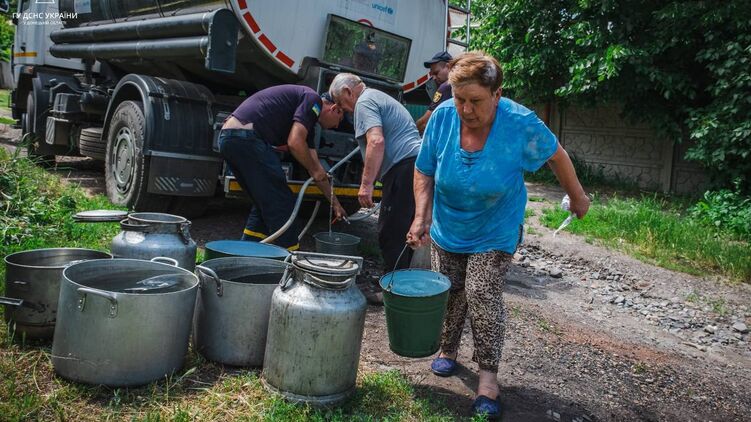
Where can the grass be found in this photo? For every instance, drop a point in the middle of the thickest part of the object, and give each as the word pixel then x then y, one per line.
pixel 35 211
pixel 5 99
pixel 202 391
pixel 659 232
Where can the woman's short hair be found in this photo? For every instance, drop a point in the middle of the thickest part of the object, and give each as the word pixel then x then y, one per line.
pixel 476 67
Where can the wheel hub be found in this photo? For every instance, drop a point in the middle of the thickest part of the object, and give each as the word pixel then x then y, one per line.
pixel 123 161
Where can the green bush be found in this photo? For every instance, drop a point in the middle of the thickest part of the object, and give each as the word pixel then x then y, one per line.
pixel 725 209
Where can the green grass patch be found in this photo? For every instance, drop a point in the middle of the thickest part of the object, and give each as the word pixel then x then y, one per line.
pixel 658 232
pixel 5 99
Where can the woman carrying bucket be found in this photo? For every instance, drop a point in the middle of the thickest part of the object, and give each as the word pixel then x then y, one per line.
pixel 470 199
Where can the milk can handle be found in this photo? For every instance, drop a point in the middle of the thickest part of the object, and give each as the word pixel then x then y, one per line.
pixel 391 278
pixel 286 280
pixel 165 260
pixel 204 271
pixel 185 232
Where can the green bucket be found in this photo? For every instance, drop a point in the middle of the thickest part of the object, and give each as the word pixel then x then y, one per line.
pixel 415 302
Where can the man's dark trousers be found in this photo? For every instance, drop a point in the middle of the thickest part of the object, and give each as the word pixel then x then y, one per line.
pixel 257 168
pixel 396 214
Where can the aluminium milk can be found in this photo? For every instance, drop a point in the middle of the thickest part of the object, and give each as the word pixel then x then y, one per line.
pixel 315 330
pixel 147 235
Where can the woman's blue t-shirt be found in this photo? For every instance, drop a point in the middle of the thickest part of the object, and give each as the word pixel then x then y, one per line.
pixel 479 197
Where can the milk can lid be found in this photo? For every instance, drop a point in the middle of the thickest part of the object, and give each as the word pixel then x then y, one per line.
pixel 96 216
pixel 339 265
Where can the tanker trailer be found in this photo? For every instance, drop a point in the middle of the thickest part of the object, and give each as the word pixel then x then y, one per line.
pixel 144 85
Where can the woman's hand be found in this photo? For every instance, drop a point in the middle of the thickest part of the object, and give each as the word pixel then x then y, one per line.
pixel 419 234
pixel 579 205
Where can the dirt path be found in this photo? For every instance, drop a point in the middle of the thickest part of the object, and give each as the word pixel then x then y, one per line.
pixel 592 334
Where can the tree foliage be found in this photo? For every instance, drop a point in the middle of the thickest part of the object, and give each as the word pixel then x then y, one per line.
pixel 683 66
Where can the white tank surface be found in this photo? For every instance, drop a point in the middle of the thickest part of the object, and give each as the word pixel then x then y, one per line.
pixel 290 30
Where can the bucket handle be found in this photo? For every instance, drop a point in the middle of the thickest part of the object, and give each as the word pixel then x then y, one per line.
pixel 112 297
pixel 206 271
pixel 391 279
pixel 165 260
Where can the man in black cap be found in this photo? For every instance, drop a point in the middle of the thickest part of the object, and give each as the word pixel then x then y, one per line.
pixel 277 119
pixel 439 71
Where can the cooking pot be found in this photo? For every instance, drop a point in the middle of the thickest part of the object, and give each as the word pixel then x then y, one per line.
pixel 32 284
pixel 123 322
pixel 232 310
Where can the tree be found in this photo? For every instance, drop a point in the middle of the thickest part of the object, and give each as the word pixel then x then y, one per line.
pixel 682 66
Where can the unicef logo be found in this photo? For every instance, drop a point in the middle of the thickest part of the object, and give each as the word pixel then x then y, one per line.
pixel 383 8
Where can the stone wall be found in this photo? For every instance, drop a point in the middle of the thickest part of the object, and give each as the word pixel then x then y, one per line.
pixel 629 151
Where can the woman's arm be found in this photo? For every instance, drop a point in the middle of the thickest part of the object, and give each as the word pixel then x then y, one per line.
pixel 419 232
pixel 564 171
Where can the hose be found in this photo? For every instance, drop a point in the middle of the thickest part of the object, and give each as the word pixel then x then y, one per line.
pixel 300 195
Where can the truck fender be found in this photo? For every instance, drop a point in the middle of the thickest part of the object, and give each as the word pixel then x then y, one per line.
pixel 179 132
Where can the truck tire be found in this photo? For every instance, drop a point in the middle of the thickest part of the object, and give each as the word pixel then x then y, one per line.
pixel 188 207
pixel 30 138
pixel 126 168
pixel 90 143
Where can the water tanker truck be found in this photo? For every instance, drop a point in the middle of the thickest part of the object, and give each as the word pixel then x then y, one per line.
pixel 144 85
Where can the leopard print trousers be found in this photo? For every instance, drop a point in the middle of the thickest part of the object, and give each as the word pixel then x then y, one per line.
pixel 476 288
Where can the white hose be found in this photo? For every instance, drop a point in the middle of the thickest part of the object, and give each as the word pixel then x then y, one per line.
pixel 300 195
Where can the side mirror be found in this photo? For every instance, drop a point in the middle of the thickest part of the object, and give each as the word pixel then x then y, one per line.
pixel 5 7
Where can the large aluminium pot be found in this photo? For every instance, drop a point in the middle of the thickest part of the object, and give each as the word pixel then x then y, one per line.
pixel 146 235
pixel 123 322
pixel 315 330
pixel 232 311
pixel 32 286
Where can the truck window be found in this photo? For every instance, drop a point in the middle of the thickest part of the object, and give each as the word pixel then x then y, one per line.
pixel 366 49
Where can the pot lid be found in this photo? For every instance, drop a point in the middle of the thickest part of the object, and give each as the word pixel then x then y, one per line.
pixel 97 216
pixel 337 265
pixel 247 249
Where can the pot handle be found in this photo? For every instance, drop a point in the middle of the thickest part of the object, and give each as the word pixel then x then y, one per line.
pixel 165 260
pixel 202 272
pixel 112 297
pixel 9 301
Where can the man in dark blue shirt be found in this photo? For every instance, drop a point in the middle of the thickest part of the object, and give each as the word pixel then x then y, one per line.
pixel 439 71
pixel 280 118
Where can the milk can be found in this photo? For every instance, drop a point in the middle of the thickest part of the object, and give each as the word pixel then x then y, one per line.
pixel 147 235
pixel 315 330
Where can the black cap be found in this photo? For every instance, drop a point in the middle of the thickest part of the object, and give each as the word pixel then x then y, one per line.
pixel 327 97
pixel 442 56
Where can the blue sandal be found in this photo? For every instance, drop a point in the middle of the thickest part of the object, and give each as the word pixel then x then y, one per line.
pixel 443 367
pixel 484 405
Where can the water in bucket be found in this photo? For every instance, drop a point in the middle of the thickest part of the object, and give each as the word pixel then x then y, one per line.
pixel 415 303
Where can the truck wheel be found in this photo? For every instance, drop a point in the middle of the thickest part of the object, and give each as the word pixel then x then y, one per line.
pixel 126 168
pixel 188 207
pixel 30 138
pixel 90 143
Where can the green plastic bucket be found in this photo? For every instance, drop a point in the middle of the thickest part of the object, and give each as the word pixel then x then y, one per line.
pixel 415 302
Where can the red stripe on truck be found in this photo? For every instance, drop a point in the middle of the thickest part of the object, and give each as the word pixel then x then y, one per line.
pixel 267 43
pixel 251 22
pixel 423 80
pixel 242 4
pixel 408 86
pixel 285 59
